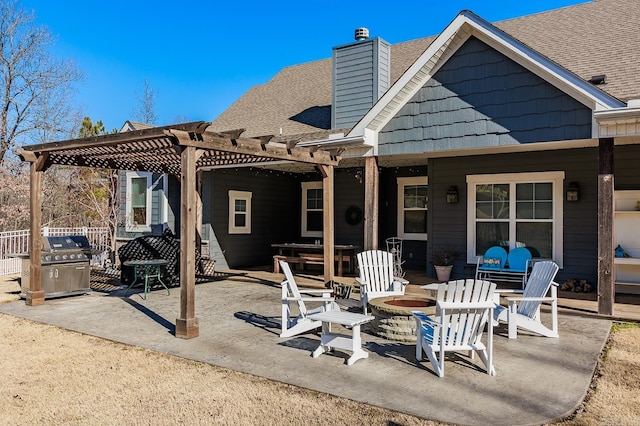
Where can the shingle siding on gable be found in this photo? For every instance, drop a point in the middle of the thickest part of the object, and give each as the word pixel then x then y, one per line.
pixel 361 74
pixel 481 98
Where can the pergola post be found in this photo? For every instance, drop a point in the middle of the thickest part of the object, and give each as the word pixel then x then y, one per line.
pixel 35 295
pixel 187 325
pixel 371 196
pixel 606 278
pixel 328 220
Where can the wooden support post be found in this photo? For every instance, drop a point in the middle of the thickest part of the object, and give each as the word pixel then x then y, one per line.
pixel 35 295
pixel 199 212
pixel 328 219
pixel 187 325
pixel 371 191
pixel 606 276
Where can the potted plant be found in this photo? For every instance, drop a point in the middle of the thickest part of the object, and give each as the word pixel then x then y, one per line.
pixel 442 259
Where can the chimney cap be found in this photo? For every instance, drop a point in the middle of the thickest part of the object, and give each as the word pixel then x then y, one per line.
pixel 361 33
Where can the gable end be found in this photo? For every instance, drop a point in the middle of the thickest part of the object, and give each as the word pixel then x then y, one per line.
pixel 481 98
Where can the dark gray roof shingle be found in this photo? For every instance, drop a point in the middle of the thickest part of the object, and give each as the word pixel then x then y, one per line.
pixel 598 37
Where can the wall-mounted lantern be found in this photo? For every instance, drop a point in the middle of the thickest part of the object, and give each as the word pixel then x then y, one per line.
pixel 452 195
pixel 573 192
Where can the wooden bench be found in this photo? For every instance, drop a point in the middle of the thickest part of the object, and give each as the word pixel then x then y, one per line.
pixel 300 260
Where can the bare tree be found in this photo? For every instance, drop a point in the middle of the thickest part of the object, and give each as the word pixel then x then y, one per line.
pixel 146 110
pixel 35 88
pixel 96 188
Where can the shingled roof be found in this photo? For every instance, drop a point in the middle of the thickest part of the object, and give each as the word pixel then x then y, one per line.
pixel 592 38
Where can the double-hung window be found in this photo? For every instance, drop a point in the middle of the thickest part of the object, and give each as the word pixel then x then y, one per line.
pixel 239 212
pixel 412 208
pixel 515 210
pixel 311 209
pixel 138 202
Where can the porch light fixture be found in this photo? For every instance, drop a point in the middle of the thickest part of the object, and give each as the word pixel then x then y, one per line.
pixel 452 195
pixel 573 192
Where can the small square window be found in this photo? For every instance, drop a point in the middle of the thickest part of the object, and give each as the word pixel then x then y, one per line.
pixel 239 212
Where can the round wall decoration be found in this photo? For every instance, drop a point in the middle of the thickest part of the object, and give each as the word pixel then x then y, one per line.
pixel 353 215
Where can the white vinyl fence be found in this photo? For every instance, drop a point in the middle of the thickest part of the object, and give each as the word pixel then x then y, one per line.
pixel 16 242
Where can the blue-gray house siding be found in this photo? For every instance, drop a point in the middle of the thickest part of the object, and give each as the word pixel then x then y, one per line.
pixel 158 193
pixel 481 98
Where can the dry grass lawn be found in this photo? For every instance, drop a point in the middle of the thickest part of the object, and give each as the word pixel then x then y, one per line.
pixel 54 376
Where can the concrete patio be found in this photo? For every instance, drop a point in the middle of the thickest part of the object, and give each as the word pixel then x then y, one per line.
pixel 538 379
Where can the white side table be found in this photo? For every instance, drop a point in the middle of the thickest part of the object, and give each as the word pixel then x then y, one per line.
pixel 330 340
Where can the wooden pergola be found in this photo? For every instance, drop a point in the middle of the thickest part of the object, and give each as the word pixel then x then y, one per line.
pixel 181 150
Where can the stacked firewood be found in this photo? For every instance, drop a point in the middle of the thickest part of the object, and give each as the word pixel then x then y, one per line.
pixel 576 286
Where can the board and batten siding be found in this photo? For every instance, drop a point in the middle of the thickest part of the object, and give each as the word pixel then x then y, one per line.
pixel 361 75
pixel 447 225
pixel 481 98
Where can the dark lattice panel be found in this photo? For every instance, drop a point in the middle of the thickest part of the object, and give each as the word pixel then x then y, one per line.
pixel 149 247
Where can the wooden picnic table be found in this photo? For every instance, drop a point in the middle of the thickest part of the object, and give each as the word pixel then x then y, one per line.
pixel 294 251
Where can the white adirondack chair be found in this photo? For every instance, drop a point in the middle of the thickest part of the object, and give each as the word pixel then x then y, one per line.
pixel 376 277
pixel 524 311
pixel 463 309
pixel 292 325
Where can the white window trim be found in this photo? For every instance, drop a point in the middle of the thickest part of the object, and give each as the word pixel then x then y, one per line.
pixel 129 226
pixel 402 182
pixel 239 195
pixel 305 187
pixel 556 178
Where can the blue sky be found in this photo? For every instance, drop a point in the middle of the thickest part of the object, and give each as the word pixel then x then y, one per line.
pixel 202 55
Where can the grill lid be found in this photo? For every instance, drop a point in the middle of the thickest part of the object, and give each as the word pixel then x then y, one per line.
pixel 64 243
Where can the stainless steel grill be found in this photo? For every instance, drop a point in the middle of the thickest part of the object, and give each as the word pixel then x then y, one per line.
pixel 65 266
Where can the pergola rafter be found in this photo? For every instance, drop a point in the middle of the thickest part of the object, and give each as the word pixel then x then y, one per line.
pixel 182 150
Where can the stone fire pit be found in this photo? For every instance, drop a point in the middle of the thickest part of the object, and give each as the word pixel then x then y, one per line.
pixel 393 319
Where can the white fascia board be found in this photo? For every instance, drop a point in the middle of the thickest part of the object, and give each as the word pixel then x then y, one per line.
pixel 459 30
pixel 618 122
pixel 617 114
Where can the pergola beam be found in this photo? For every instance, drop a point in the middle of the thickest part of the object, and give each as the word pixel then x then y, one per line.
pixel 255 148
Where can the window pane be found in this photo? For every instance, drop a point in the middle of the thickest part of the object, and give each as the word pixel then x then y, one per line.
pixel 484 210
pixel 534 201
pixel 544 191
pixel 314 199
pixel 415 196
pixel 139 215
pixel 490 234
pixel 537 237
pixel 415 221
pixel 501 209
pixel 139 192
pixel 524 191
pixel 524 210
pixel 240 220
pixel 544 210
pixel 241 205
pixel 492 201
pixel 314 221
